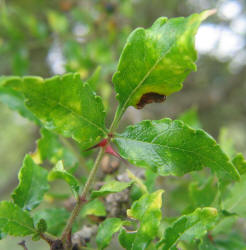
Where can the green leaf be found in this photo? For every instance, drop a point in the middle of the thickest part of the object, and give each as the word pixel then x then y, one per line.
pixel 224 224
pixel 190 117
pixel 94 207
pixel 14 221
pixel 126 239
pixel 157 60
pixel 137 181
pixel 32 186
pixel 36 236
pixel 204 194
pixel 106 230
pixel 15 101
pixel 42 226
pixel 240 163
pixel 207 244
pixel 230 241
pixel 55 218
pixel 226 142
pixel 150 180
pixel 148 211
pixel 65 105
pixel 58 172
pixel 236 198
pixel 172 148
pixel 50 148
pixel 94 79
pixel 57 21
pixel 189 227
pixel 110 187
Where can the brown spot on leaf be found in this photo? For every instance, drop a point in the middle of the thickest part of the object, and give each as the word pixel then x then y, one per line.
pixel 149 98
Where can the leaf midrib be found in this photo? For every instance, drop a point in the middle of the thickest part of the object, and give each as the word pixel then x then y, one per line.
pixel 180 149
pixel 180 234
pixel 73 112
pixel 20 224
pixel 146 75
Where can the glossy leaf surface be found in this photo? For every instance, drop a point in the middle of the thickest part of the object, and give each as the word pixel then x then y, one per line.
pixel 157 60
pixel 64 104
pixel 171 148
pixel 32 186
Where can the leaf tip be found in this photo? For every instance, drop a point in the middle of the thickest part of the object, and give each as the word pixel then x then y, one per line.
pixel 207 13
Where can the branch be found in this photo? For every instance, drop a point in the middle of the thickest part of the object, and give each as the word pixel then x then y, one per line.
pixel 23 244
pixel 82 197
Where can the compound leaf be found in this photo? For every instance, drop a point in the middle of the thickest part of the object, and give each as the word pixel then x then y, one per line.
pixel 64 104
pixel 172 148
pixel 106 230
pixel 189 227
pixel 155 61
pixel 110 187
pixel 14 221
pixel 32 186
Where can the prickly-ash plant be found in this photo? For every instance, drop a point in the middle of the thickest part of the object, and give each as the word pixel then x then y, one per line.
pixel 152 66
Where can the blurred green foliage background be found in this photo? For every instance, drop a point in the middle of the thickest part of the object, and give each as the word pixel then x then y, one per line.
pixel 53 37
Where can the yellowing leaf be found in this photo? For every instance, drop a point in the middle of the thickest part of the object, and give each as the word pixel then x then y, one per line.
pixel 155 61
pixel 64 104
pixel 148 211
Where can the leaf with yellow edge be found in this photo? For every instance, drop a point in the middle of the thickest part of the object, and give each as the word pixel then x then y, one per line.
pixel 189 227
pixel 148 211
pixel 155 61
pixel 65 105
